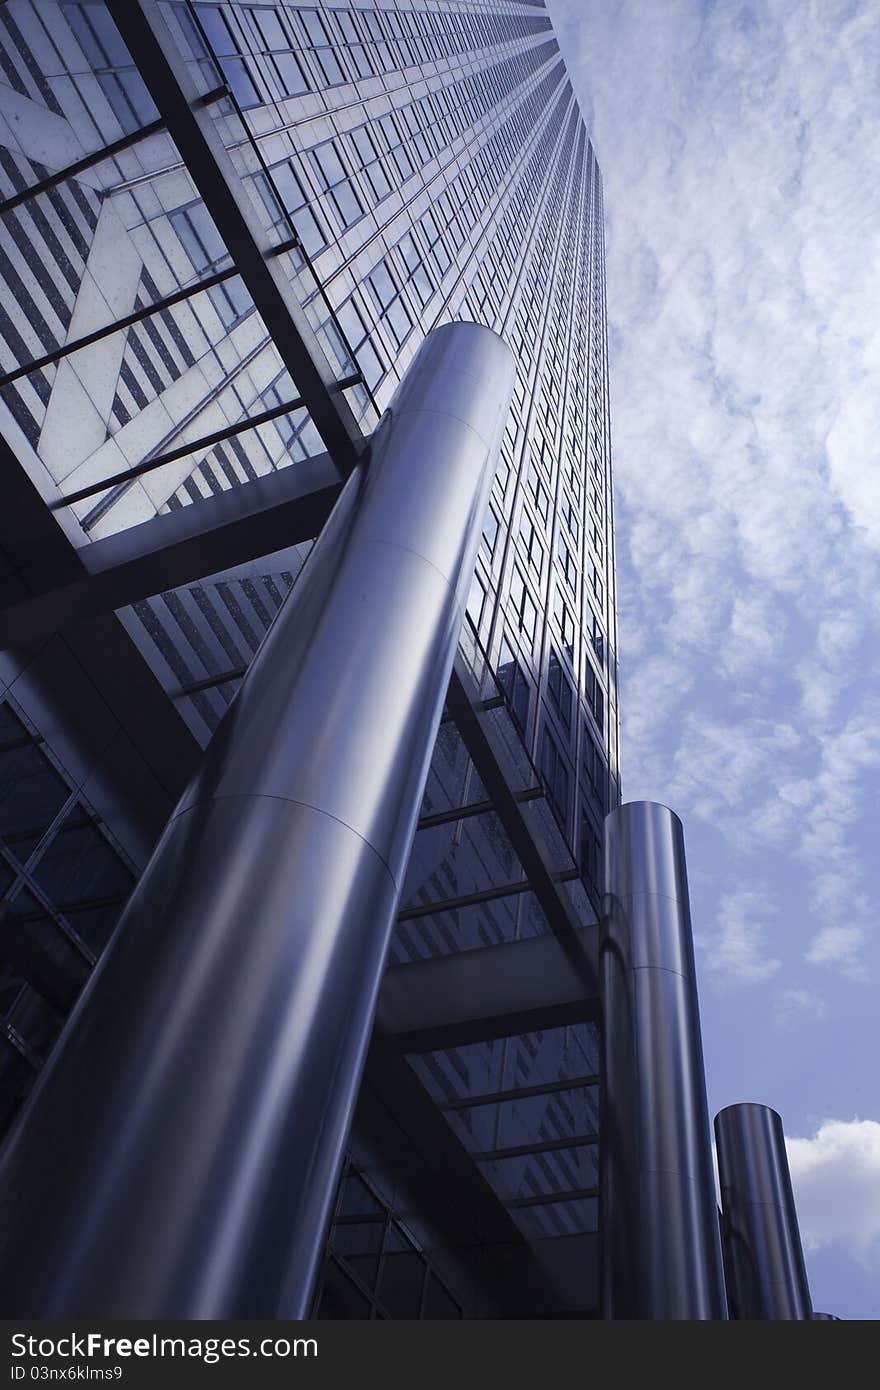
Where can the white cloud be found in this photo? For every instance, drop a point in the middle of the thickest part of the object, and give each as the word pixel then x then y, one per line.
pixel 721 765
pixel 836 1180
pixel 744 346
pixel 755 633
pixel 734 950
pixel 853 449
pixel 794 1004
pixel 841 947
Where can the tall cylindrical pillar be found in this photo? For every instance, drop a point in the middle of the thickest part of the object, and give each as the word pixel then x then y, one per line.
pixel 179 1154
pixel 661 1255
pixel 763 1258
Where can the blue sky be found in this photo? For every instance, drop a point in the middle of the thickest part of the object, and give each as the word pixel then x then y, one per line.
pixel 740 150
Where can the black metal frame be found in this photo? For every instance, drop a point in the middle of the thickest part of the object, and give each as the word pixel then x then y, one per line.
pixel 145 33
pixel 490 992
pixel 206 441
pixel 89 161
pixel 249 521
pixel 544 1088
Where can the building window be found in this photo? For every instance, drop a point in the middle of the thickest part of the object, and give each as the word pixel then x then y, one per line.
pixel 555 774
pixel 562 616
pixel 560 689
pixel 567 562
pixel 237 72
pixel 523 608
pixel 570 516
pixel 490 534
pixel 594 773
pixel 531 545
pixel 597 637
pixel 206 250
pixel 293 198
pixel 514 686
pixel 476 602
pixel 538 493
pixel 336 183
pixel 591 853
pixel 107 55
pixel 595 696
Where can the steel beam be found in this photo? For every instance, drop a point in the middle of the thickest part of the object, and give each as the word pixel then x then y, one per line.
pixel 89 161
pixel 254 519
pixel 476 808
pixel 480 895
pixel 492 992
pixel 165 75
pixel 462 705
pixel 540 1146
pixel 470 1232
pixel 543 1088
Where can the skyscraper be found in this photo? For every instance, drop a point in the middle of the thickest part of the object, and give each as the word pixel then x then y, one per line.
pixel 226 231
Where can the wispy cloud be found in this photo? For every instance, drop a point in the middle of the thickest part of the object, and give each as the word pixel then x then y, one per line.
pixel 794 1004
pixel 840 947
pixel 743 232
pixel 735 949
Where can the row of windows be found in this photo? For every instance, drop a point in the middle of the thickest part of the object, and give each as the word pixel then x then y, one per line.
pixel 557 776
pixel 527 319
pixel 384 154
pixel 556 768
pixel 109 59
pixel 537 491
pixel 298 26
pixel 419 261
pixel 297 51
pixel 490 292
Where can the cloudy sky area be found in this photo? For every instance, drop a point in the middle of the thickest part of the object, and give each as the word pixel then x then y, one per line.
pixel 740 150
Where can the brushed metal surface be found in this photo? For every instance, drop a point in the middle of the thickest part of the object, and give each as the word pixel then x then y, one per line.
pixel 661 1255
pixel 179 1154
pixel 763 1256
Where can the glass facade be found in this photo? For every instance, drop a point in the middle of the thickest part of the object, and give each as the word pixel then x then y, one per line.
pixel 63 881
pixel 399 164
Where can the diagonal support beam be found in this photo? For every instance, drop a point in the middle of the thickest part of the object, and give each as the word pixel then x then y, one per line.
pixel 191 128
pixel 469 1226
pixel 248 521
pixel 493 992
pixel 462 707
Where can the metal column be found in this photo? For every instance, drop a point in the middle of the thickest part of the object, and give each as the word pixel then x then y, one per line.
pixel 763 1258
pixel 661 1255
pixel 180 1152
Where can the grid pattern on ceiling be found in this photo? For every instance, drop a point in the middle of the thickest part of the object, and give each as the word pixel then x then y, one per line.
pixel 63 884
